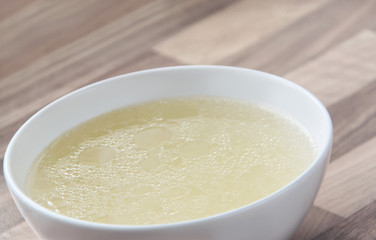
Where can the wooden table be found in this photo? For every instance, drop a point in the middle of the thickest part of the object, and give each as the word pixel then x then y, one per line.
pixel 49 48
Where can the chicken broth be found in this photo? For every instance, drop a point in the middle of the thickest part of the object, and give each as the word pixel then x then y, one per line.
pixel 169 161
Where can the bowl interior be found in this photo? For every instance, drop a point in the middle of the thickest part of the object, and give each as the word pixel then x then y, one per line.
pixel 129 89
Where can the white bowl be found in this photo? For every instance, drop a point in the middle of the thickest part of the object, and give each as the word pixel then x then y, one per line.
pixel 274 217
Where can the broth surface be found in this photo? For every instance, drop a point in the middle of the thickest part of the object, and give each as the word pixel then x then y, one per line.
pixel 170 161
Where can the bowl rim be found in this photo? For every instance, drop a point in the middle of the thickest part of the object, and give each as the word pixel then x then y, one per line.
pixel 17 193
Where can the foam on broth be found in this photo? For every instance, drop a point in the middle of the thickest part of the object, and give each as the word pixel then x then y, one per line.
pixel 169 161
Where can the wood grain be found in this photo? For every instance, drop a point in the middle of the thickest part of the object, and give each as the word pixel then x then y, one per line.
pixel 352 174
pixel 75 17
pixel 11 7
pixel 360 226
pixel 354 120
pixel 213 38
pixel 317 220
pixel 331 75
pixel 20 231
pixel 49 48
pixel 8 211
pixel 308 37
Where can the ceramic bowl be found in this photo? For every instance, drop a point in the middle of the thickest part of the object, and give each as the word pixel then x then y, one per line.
pixel 276 216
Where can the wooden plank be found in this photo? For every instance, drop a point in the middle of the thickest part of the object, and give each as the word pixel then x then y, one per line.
pixel 360 226
pixel 20 231
pixel 354 120
pixel 138 30
pixel 8 8
pixel 6 134
pixel 4 193
pixel 341 71
pixel 232 30
pixel 307 38
pixel 354 173
pixel 67 21
pixel 344 78
pixel 9 215
pixel 317 221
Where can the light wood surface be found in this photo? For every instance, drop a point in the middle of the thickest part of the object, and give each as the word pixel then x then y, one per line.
pixel 49 48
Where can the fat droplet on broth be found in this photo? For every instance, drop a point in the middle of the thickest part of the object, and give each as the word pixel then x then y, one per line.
pixel 152 136
pixel 98 156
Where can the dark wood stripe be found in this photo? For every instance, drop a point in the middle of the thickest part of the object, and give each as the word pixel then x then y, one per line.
pixel 6 133
pixel 139 30
pixel 317 221
pixel 361 226
pixel 9 215
pixel 45 37
pixel 153 25
pixel 354 120
pixel 7 8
